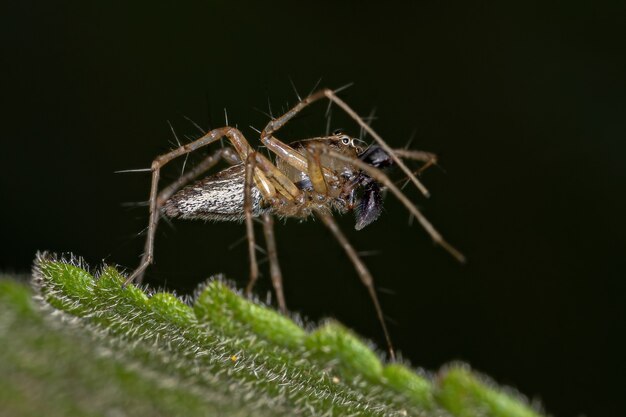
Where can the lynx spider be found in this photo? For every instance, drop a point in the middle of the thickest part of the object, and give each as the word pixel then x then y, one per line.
pixel 310 177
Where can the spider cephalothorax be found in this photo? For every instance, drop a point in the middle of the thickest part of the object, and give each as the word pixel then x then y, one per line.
pixel 352 189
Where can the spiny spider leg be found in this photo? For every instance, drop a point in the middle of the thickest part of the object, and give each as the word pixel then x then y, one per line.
pixel 315 171
pixel 312 166
pixel 331 96
pixel 428 158
pixel 279 180
pixel 226 154
pixel 290 193
pixel 421 156
pixel 242 148
pixel 247 209
pixel 361 269
pixel 272 254
pixel 379 176
pixel 275 124
pixel 317 180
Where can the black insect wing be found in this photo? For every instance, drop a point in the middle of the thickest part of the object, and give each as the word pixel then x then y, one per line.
pixel 369 206
pixel 370 201
pixel 376 157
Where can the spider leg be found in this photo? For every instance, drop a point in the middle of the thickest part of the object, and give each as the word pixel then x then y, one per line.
pixel 279 180
pixel 428 158
pixel 275 124
pixel 227 154
pixel 241 146
pixel 361 269
pixel 272 253
pixel 319 185
pixel 247 208
pixel 285 152
pixel 315 171
pixel 379 176
pixel 286 195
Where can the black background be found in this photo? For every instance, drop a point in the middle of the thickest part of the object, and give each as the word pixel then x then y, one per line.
pixel 524 104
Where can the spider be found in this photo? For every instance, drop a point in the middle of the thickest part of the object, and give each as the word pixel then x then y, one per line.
pixel 311 177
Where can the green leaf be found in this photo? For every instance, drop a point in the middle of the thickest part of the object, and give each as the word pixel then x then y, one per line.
pixel 89 346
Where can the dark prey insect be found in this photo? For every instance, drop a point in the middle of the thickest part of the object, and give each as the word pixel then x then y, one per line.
pixel 311 177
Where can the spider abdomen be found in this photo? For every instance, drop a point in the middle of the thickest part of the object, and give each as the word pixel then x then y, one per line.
pixel 218 197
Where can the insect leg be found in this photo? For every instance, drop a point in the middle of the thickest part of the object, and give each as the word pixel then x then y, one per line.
pixel 276 274
pixel 361 269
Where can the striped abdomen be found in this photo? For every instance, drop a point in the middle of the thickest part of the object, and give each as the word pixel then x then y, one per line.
pixel 218 197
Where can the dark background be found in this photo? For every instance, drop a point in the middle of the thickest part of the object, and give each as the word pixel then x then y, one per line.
pixel 524 104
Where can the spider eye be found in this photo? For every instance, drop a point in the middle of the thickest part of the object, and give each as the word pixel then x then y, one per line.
pixel 345 140
pixel 337 132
